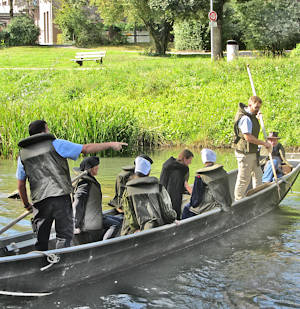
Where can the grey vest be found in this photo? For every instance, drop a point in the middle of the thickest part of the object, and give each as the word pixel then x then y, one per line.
pixel 144 195
pixel 48 173
pixel 93 218
pixel 217 192
pixel 240 144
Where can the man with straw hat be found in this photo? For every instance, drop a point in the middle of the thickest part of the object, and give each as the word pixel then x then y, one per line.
pixel 278 155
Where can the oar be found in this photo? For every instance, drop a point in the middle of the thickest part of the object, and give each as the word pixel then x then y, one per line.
pixel 264 131
pixel 26 213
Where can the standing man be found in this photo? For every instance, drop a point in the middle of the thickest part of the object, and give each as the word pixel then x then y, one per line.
pixel 246 130
pixel 43 160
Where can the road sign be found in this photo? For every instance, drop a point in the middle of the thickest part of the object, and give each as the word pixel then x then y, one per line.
pixel 212 15
pixel 213 24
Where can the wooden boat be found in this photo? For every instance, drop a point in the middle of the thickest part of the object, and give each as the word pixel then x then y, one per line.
pixel 38 273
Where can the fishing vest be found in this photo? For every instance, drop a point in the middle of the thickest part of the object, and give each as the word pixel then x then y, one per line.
pixel 216 189
pixel 240 144
pixel 93 218
pixel 48 173
pixel 120 185
pixel 144 197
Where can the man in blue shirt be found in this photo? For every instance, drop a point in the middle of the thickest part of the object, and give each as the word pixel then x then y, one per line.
pixel 246 142
pixel 43 161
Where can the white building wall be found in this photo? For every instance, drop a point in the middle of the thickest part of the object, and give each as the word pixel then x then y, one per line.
pixel 46 22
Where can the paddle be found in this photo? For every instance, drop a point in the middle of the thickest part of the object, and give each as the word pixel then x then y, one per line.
pixel 264 131
pixel 26 213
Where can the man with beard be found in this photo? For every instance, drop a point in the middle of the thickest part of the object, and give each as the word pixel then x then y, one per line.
pixel 246 130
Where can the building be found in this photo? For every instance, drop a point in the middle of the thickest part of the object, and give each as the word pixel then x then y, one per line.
pixel 42 12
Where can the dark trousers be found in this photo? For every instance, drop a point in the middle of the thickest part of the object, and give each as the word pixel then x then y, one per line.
pixel 58 209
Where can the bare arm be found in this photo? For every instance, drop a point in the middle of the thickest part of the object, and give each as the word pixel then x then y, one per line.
pixel 23 193
pixel 253 140
pixel 97 147
pixel 188 187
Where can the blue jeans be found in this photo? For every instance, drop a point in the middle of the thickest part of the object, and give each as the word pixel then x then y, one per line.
pixel 268 175
pixel 186 213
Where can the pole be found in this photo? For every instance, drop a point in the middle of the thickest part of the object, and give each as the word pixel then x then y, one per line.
pixel 264 131
pixel 211 33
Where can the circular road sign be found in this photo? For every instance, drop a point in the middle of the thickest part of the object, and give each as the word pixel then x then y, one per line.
pixel 212 15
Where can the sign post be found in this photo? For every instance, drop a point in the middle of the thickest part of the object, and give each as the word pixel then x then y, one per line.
pixel 212 15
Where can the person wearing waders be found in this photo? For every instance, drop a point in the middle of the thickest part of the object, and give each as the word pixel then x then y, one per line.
pixel 43 162
pixel 147 203
pixel 174 177
pixel 90 222
pixel 210 189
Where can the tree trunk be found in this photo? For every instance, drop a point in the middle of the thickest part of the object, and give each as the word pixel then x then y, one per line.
pixel 217 31
pixel 160 36
pixel 11 8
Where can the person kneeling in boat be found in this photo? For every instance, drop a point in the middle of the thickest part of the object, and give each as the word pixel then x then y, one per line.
pixel 147 203
pixel 90 223
pixel 211 187
pixel 278 156
pixel 121 180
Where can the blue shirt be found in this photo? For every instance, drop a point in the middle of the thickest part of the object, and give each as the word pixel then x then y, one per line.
pixel 245 123
pixel 64 148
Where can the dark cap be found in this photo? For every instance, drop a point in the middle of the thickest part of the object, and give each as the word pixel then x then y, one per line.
pixel 88 163
pixel 273 135
pixel 37 126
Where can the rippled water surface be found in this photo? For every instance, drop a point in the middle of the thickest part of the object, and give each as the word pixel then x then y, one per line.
pixel 256 266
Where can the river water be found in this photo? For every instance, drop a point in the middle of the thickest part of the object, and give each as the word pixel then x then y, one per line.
pixel 256 266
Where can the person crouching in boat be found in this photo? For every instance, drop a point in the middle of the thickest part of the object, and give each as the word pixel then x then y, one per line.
pixel 147 203
pixel 121 180
pixel 211 187
pixel 90 223
pixel 174 177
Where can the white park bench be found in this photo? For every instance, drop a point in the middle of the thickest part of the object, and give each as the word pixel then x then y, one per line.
pixel 89 56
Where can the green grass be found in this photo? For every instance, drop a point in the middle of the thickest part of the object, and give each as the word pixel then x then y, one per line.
pixel 142 100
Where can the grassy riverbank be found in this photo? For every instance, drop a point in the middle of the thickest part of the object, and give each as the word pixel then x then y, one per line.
pixel 141 99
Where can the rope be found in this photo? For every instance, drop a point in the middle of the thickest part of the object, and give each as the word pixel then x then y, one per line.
pixel 52 259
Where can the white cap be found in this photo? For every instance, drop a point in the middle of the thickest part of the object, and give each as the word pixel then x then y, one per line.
pixel 208 155
pixel 142 166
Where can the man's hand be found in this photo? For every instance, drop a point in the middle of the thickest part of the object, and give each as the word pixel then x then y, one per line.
pixel 28 206
pixel 118 145
pixel 268 146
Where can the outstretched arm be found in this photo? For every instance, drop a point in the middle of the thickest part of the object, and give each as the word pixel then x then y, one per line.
pixel 97 147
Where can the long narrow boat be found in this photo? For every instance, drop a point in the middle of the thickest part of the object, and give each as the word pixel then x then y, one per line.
pixel 26 272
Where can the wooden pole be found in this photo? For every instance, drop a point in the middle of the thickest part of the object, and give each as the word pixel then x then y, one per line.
pixel 263 130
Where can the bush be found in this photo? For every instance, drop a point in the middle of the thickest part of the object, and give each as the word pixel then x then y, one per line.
pixel 22 31
pixel 296 51
pixel 191 34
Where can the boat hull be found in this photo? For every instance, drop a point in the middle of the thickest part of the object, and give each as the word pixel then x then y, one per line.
pixel 24 273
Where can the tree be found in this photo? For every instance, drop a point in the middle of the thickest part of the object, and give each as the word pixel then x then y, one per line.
pixel 77 21
pixel 270 25
pixel 158 16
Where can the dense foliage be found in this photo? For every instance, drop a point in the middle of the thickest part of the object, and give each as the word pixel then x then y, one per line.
pixel 270 25
pixel 142 100
pixel 80 23
pixel 192 34
pixel 20 31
